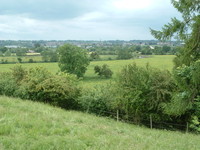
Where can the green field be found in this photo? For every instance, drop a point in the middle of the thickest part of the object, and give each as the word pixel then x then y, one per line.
pixel 158 61
pixel 36 57
pixel 27 125
pixel 13 59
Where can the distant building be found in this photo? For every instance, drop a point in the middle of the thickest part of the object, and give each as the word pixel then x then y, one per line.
pixel 31 51
pixel 151 47
pixel 12 46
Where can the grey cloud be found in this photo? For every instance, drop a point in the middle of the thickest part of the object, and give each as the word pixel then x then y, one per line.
pixel 48 9
pixel 79 19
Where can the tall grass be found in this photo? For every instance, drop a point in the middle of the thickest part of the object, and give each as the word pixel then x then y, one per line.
pixel 26 125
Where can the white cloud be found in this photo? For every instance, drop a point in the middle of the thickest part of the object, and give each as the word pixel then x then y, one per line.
pixel 91 16
pixel 130 5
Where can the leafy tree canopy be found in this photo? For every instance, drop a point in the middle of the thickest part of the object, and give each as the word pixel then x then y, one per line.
pixel 187 30
pixel 73 59
pixel 3 49
pixel 185 101
pixel 103 70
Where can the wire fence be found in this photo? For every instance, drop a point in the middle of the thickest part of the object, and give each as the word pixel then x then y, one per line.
pixel 151 122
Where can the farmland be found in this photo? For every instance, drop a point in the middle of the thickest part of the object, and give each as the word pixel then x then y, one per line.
pixel 36 57
pixel 157 61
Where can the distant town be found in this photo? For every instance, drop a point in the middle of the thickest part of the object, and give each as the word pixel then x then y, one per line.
pixel 84 44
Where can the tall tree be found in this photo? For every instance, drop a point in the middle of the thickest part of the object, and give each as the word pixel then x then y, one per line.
pixel 186 101
pixel 187 30
pixel 124 54
pixel 7 53
pixel 73 59
pixel 3 49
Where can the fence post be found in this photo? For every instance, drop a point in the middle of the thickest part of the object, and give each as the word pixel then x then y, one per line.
pixel 151 124
pixel 117 115
pixel 187 128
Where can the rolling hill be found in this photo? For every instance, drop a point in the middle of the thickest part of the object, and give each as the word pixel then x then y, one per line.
pixel 27 125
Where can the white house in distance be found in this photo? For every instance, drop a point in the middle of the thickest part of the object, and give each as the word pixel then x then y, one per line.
pixel 151 47
pixel 12 46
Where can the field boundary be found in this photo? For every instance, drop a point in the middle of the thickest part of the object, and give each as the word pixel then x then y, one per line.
pixel 150 123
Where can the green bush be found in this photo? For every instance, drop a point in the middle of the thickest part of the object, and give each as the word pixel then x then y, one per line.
pixel 19 60
pixel 124 53
pixel 8 84
pixel 28 87
pixel 103 70
pixel 142 91
pixel 18 73
pixel 97 100
pixel 195 124
pixel 40 85
pixel 4 61
pixel 94 56
pixel 185 102
pixel 59 91
pixel 30 60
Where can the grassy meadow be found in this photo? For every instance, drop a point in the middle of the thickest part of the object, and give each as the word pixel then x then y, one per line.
pixel 90 78
pixel 36 57
pixel 36 126
pixel 13 59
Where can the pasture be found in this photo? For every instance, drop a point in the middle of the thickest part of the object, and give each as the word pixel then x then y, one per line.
pixel 13 59
pixel 36 126
pixel 90 78
pixel 36 57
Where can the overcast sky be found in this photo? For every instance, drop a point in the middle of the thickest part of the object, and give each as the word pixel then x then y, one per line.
pixel 83 19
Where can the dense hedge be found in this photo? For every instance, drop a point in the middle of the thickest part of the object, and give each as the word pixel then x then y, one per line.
pixel 98 100
pixel 143 91
pixel 40 85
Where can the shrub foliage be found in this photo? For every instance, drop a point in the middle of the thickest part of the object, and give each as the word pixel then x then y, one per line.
pixel 40 85
pixel 143 91
pixel 103 71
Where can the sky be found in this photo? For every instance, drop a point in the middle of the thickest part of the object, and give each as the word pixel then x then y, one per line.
pixel 83 19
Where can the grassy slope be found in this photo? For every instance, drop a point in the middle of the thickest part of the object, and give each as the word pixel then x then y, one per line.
pixel 34 126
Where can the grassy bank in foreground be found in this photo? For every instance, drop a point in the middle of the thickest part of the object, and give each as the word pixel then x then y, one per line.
pixel 35 126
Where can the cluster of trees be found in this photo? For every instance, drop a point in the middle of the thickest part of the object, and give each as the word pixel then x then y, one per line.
pixel 49 56
pixel 74 60
pixel 4 51
pixel 94 56
pixel 122 52
pixel 103 71
pixel 142 49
